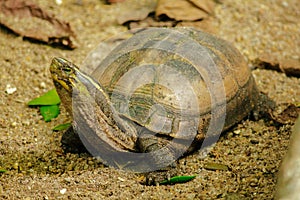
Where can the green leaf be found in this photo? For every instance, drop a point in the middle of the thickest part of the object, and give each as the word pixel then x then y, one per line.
pixel 49 98
pixel 49 112
pixel 61 127
pixel 177 179
pixel 3 170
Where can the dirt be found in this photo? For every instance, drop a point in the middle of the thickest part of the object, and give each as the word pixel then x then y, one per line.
pixel 38 168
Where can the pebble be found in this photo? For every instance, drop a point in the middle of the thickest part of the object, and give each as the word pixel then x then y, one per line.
pixel 285 4
pixel 58 2
pixel 63 191
pixel 16 165
pixel 26 122
pixel 13 124
pixel 121 179
pixel 10 89
pixel 43 85
pixel 67 180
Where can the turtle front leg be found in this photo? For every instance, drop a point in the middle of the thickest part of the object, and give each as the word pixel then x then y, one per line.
pixel 162 155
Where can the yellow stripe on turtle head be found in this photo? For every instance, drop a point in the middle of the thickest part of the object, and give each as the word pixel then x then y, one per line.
pixel 70 77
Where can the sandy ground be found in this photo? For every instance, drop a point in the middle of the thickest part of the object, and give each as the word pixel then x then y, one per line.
pixel 39 169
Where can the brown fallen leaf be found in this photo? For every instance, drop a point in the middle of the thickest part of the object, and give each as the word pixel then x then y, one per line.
pixel 135 10
pixel 290 67
pixel 26 19
pixel 150 21
pixel 206 5
pixel 184 10
pixel 133 14
pixel 204 25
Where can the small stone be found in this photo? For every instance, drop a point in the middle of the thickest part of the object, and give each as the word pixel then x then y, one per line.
pixel 9 89
pixel 36 89
pixel 27 122
pixel 43 85
pixel 16 165
pixel 85 167
pixel 191 196
pixel 13 124
pixel 63 191
pixel 58 2
pixel 285 4
pixel 70 167
pixel 67 180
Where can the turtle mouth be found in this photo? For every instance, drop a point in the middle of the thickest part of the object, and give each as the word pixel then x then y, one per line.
pixel 62 83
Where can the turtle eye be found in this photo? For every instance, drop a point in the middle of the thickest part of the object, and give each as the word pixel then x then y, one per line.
pixel 67 70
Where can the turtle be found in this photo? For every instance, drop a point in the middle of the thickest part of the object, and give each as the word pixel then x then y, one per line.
pixel 157 96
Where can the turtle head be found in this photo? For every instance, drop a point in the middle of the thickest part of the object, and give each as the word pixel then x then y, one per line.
pixel 63 74
pixel 74 86
pixel 66 77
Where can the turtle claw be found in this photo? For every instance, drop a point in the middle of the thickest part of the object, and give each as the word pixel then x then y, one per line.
pixel 156 177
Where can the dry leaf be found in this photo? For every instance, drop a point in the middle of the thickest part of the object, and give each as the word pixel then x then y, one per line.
pixel 204 25
pixel 187 10
pixel 205 5
pixel 179 12
pixel 28 20
pixel 290 67
pixel 135 10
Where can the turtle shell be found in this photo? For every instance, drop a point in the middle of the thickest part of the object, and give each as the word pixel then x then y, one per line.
pixel 174 80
